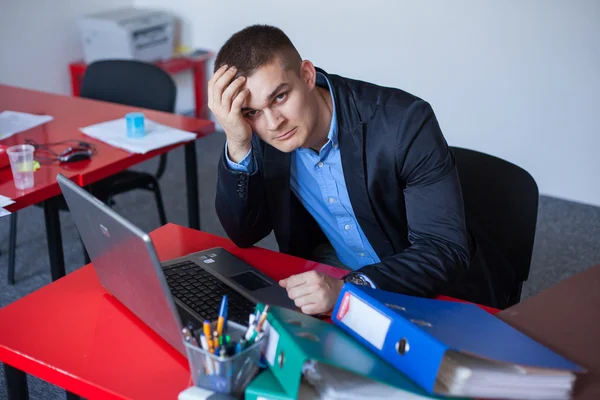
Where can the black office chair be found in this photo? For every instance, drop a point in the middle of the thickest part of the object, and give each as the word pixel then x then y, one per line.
pixel 502 199
pixel 132 83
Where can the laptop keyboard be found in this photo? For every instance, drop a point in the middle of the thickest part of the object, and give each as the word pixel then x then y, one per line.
pixel 202 292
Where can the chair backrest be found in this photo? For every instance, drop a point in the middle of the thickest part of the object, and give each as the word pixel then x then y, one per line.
pixel 130 82
pixel 503 198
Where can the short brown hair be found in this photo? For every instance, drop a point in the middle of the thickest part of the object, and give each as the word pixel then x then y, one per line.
pixel 255 46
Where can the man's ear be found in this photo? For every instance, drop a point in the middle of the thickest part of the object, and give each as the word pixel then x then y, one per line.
pixel 308 73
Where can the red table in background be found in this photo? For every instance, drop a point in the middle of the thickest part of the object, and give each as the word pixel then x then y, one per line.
pixel 196 64
pixel 78 337
pixel 70 114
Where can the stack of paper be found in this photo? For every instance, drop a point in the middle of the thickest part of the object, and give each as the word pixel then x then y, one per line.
pixel 157 135
pixel 333 383
pixel 464 375
pixel 4 201
pixel 12 122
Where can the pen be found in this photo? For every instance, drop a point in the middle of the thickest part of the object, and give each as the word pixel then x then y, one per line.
pixel 255 328
pixel 204 342
pixel 192 327
pixel 222 315
pixel 189 337
pixel 209 366
pixel 250 331
pixel 257 311
pixel 262 319
pixel 216 341
pixel 253 337
pixel 206 327
pixel 256 336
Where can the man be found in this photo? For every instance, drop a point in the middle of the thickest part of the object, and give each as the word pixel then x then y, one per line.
pixel 345 172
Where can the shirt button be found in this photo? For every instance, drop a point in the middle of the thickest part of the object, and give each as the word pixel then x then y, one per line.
pixel 331 200
pixel 320 164
pixel 347 227
pixel 335 146
pixel 362 254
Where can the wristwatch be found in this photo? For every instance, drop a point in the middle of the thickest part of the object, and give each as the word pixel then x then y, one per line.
pixel 358 279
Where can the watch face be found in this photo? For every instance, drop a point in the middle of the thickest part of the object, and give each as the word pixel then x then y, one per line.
pixel 359 280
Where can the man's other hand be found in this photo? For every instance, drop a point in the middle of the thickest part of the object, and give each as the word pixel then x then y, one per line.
pixel 313 292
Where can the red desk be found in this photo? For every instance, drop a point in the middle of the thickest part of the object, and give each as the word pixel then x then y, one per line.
pixel 196 64
pixel 94 347
pixel 70 114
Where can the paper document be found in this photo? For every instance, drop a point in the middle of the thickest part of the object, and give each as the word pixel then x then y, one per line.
pixel 12 122
pixel 332 383
pixel 157 135
pixel 469 376
pixel 5 201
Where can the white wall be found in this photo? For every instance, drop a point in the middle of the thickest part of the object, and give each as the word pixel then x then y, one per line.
pixel 39 38
pixel 517 79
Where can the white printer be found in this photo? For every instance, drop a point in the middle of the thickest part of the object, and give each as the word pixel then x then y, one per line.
pixel 127 33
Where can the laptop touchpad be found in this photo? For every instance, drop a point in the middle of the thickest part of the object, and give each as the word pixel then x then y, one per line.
pixel 250 281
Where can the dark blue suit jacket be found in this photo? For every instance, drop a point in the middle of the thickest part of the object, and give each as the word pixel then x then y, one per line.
pixel 403 185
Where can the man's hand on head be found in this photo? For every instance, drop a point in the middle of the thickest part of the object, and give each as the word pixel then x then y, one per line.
pixel 313 292
pixel 226 96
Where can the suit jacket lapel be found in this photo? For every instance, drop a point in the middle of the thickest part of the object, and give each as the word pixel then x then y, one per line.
pixel 277 178
pixel 352 151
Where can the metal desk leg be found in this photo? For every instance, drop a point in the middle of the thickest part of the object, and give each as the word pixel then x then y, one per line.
pixel 16 383
pixel 55 248
pixel 191 177
pixel 12 248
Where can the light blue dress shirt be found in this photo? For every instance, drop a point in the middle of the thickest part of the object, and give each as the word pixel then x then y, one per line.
pixel 317 180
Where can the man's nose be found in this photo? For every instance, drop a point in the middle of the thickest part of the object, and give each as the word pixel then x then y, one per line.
pixel 274 119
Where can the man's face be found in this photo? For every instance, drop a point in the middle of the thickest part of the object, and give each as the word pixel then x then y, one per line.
pixel 281 108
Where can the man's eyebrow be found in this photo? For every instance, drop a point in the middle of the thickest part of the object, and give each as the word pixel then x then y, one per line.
pixel 277 89
pixel 269 97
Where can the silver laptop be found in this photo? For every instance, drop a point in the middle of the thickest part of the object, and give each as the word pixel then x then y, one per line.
pixel 168 295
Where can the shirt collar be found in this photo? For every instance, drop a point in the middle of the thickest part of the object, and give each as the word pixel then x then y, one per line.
pixel 332 136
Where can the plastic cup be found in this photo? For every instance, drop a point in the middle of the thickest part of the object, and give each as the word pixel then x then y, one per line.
pixel 135 125
pixel 21 163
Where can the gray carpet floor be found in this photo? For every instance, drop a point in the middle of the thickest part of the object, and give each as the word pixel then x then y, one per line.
pixel 567 239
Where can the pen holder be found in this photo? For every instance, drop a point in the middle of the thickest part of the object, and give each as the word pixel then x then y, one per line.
pixel 228 375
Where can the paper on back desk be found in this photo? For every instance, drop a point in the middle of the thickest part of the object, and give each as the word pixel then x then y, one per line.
pixel 5 201
pixel 12 122
pixel 115 134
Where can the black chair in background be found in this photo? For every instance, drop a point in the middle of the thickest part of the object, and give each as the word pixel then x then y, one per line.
pixel 503 199
pixel 138 84
pixel 127 82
